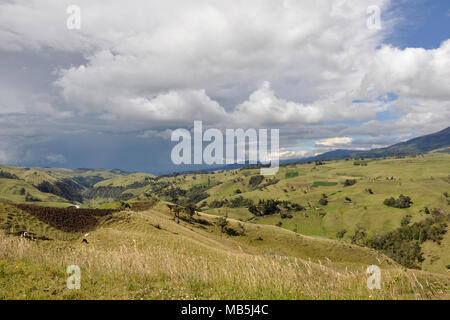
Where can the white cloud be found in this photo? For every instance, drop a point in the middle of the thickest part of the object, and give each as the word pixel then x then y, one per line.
pixel 149 63
pixel 331 142
pixel 411 72
pixel 158 64
pixel 264 108
pixel 165 134
pixel 292 154
pixel 56 158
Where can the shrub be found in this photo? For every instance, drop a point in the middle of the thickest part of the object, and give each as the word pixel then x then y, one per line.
pixel 406 220
pixel 217 203
pixel 401 202
pixel 403 244
pixel 359 235
pixel 30 198
pixel 324 200
pixel 341 233
pixel 269 207
pixel 349 182
pixel 255 181
pixel 240 202
pixel 232 232
pixel 222 222
pixel 7 175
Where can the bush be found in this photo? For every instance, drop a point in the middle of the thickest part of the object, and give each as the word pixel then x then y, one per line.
pixel 255 181
pixel 62 189
pixel 216 203
pixel 349 182
pixel 406 220
pixel 7 175
pixel 222 222
pixel 359 235
pixel 324 200
pixel 401 202
pixel 240 202
pixel 232 232
pixel 403 244
pixel 341 233
pixel 30 198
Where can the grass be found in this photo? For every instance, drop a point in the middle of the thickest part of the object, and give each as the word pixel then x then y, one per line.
pixel 128 258
pixel 324 184
pixel 291 174
pixel 15 221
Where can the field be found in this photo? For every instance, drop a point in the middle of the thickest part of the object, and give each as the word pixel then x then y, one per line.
pixel 141 250
pixel 128 257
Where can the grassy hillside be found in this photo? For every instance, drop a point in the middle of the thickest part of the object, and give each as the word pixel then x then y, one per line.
pixel 148 255
pixel 293 247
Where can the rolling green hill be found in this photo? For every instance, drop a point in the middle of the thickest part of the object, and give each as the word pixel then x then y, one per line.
pixel 308 232
pixel 149 255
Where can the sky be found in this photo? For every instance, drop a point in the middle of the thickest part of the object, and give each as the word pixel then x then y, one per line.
pixel 110 93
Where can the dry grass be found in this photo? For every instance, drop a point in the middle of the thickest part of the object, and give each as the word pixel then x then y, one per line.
pixel 123 263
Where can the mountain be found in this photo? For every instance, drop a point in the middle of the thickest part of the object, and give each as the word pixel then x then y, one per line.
pixel 419 145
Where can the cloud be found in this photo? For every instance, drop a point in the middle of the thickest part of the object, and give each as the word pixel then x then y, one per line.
pixel 331 142
pixel 411 72
pixel 158 66
pixel 264 108
pixel 292 154
pixel 56 158
pixel 165 134
pixel 148 67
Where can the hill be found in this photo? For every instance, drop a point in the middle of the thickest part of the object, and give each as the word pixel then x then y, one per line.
pixel 149 255
pixel 416 146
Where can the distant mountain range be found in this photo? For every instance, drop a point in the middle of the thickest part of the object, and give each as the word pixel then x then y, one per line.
pixel 439 141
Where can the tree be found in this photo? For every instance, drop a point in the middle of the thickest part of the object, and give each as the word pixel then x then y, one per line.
pixel 253 210
pixel 176 212
pixel 222 222
pixel 190 209
pixel 255 180
pixel 406 220
pixel 124 205
pixel 324 200
pixel 401 202
pixel 349 182
pixel 341 233
pixel 171 207
pixel 360 234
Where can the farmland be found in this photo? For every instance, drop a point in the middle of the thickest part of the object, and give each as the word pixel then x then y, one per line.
pixel 317 224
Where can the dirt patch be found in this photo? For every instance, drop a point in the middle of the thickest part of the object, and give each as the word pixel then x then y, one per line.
pixel 67 219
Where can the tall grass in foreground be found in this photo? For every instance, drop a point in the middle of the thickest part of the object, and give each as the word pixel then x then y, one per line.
pixel 36 270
